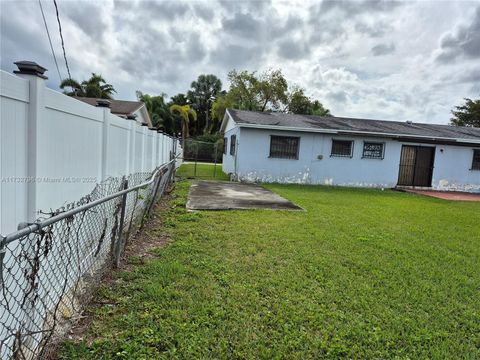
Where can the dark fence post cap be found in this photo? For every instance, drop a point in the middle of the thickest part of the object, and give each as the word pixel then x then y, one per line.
pixel 131 116
pixel 103 103
pixel 144 124
pixel 30 68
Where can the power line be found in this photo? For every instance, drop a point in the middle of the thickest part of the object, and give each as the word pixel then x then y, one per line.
pixel 50 40
pixel 61 37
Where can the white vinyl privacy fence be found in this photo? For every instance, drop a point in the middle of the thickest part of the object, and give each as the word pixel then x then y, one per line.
pixel 55 149
pixel 79 181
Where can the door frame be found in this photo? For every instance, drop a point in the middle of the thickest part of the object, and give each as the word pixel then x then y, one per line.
pixel 432 165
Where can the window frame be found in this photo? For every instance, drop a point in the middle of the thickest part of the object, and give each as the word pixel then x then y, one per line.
pixel 352 146
pixel 233 144
pixel 297 138
pixel 225 145
pixel 376 143
pixel 475 156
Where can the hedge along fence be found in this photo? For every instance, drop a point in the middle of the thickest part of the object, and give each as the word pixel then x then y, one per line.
pixel 48 269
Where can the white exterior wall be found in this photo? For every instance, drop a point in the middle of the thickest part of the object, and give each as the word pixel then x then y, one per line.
pixel 452 169
pixel 452 166
pixel 228 161
pixel 54 149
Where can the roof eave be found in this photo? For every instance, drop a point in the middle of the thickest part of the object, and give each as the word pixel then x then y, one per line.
pixel 355 132
pixel 225 119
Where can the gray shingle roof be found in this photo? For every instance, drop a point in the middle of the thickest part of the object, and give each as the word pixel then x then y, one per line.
pixel 118 107
pixel 318 123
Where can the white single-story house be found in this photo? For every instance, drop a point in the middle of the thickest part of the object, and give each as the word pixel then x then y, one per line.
pixel 305 149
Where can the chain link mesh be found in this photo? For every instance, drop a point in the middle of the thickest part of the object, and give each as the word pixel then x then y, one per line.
pixel 47 276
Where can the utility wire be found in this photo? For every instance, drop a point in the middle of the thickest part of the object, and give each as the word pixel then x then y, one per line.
pixel 50 40
pixel 61 37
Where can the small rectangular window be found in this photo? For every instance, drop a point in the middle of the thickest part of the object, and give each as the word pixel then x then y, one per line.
pixel 342 148
pixel 233 140
pixel 476 159
pixel 373 150
pixel 225 145
pixel 284 147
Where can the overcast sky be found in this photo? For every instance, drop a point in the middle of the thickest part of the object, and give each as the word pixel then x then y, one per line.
pixel 382 60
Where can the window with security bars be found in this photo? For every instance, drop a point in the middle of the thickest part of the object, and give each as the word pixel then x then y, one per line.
pixel 342 148
pixel 233 141
pixel 225 145
pixel 476 159
pixel 284 147
pixel 372 150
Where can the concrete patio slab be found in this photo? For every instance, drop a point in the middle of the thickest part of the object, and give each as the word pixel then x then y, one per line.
pixel 447 195
pixel 216 195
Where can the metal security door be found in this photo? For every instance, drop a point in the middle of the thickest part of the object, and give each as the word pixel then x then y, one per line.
pixel 416 166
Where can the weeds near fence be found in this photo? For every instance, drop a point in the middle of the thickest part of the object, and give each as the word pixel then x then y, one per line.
pixel 49 268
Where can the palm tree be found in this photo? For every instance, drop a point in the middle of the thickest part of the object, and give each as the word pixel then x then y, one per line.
pixel 184 111
pixel 95 87
pixel 77 89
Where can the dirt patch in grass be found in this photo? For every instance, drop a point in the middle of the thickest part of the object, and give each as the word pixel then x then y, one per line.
pixel 140 246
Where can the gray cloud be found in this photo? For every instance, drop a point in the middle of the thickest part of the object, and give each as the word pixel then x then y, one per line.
pixel 330 48
pixel 237 56
pixel 335 21
pixel 243 25
pixel 292 49
pixel 379 29
pixel 203 11
pixel 253 7
pixel 358 7
pixel 88 17
pixel 383 49
pixel 473 76
pixel 464 41
pixel 164 10
pixel 339 96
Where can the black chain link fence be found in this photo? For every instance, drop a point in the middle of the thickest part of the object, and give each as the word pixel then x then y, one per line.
pixel 204 157
pixel 48 269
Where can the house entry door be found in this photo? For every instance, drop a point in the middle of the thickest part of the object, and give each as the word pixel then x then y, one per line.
pixel 416 166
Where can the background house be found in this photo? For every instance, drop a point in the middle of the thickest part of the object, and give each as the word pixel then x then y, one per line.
pixel 123 108
pixel 288 148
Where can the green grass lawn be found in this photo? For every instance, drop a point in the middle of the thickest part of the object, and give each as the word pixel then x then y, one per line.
pixel 203 171
pixel 360 274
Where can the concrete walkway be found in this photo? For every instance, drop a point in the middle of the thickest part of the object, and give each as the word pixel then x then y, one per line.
pixel 216 195
pixel 447 195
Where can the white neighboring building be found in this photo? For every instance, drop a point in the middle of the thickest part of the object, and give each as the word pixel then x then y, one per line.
pixel 304 149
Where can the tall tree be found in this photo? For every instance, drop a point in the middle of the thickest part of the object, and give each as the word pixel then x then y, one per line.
pixel 272 88
pixel 467 114
pixel 179 99
pixel 299 103
pixel 266 92
pixel 203 92
pixel 243 90
pixel 184 111
pixel 95 87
